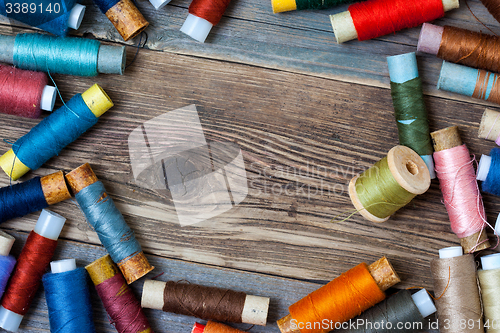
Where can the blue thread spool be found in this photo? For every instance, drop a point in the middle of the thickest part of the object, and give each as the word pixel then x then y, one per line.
pixel 73 56
pixel 32 195
pixel 55 132
pixel 109 224
pixel 68 298
pixel 488 172
pixel 7 262
pixel 124 15
pixel 53 16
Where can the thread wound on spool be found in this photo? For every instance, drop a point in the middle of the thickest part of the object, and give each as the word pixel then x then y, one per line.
pixel 21 91
pixel 31 265
pixel 340 300
pixel 493 8
pixel 73 56
pixel 210 10
pixel 375 18
pixel 21 199
pixel 490 289
pixel 7 264
pixel 68 301
pixel 214 327
pixel 455 281
pixel 320 4
pixel 492 182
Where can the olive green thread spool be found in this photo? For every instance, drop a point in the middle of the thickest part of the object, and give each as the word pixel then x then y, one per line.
pixel 390 184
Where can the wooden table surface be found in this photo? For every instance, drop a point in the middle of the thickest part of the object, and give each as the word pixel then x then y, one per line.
pixel 308 115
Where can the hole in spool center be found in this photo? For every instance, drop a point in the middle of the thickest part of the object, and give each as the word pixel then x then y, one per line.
pixel 412 168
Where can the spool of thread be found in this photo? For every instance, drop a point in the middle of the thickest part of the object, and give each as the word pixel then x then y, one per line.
pixel 493 8
pixel 7 262
pixel 342 299
pixel 205 302
pixel 124 15
pixel 55 132
pixel 70 55
pixel 54 17
pixel 489 280
pixel 25 93
pixel 280 6
pixel 409 107
pixel 454 278
pixel 32 195
pixel 488 171
pixel 402 312
pixel 489 128
pixel 469 81
pixel 375 18
pixel 31 265
pixel 68 298
pixel 118 299
pixel 457 181
pixel 109 224
pixel 461 46
pixel 390 184
pixel 214 327
pixel 203 15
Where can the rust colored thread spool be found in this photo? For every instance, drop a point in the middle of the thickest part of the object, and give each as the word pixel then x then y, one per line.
pixel 369 282
pixel 205 302
pixel 125 16
pixel 132 262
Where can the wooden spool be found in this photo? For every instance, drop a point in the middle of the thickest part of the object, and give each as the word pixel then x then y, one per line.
pixel 127 19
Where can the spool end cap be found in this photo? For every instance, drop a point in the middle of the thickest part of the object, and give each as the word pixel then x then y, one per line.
pixel 483 168
pixel 48 98
pixel 424 303
pixel 196 27
pixel 451 252
pixel 49 224
pixel 491 261
pixel 158 4
pixel 76 16
pixel 61 266
pixel 9 320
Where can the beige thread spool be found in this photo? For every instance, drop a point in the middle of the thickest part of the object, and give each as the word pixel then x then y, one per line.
pixel 489 128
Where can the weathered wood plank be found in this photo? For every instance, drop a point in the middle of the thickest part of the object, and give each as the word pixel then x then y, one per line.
pixel 303 139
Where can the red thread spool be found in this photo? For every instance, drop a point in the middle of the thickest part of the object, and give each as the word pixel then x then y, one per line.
pixel 31 265
pixel 203 15
pixel 118 299
pixel 375 18
pixel 25 93
pixel 214 327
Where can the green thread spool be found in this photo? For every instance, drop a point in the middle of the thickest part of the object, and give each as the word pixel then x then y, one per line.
pixel 409 107
pixel 390 184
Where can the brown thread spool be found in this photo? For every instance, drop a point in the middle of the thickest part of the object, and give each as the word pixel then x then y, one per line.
pixel 383 274
pixel 493 7
pixel 448 138
pixel 455 284
pixel 205 302
pixel 134 266
pixel 489 127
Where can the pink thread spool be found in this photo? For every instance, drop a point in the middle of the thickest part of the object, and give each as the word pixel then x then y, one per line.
pixel 457 178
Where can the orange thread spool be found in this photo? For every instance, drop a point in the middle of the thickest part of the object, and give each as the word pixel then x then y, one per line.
pixel 214 327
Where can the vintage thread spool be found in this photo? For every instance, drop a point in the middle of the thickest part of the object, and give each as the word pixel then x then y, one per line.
pixel 457 181
pixel 68 298
pixel 469 81
pixel 456 288
pixel 280 6
pixel 461 46
pixel 56 18
pixel 342 299
pixel 489 128
pixel 488 171
pixel 25 93
pixel 32 195
pixel 402 312
pixel 409 107
pixel 70 55
pixel 375 18
pixel 109 224
pixel 31 265
pixel 118 299
pixel 7 262
pixel 390 184
pixel 203 15
pixel 55 132
pixel 205 302
pixel 124 15
pixel 489 280
pixel 214 327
